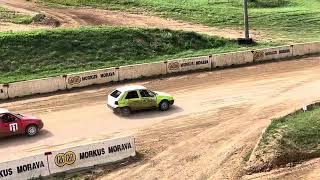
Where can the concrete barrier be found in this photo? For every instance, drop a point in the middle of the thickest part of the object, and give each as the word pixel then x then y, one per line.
pixel 307 48
pixel 189 64
pixel 272 53
pixel 73 158
pixel 25 168
pixel 90 155
pixel 152 69
pixel 24 88
pixel 92 77
pixel 142 70
pixel 3 91
pixel 228 59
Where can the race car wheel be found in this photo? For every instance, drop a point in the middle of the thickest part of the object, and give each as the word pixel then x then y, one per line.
pixel 164 105
pixel 32 130
pixel 125 111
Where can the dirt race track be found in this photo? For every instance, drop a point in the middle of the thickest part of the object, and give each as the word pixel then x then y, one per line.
pixel 77 17
pixel 217 119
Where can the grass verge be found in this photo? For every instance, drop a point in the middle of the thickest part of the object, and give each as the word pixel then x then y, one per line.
pixel 37 54
pixel 288 140
pixel 14 17
pixel 281 20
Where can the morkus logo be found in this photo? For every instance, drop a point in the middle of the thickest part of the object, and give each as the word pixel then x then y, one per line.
pixel 173 66
pixel 63 159
pixel 258 55
pixel 74 80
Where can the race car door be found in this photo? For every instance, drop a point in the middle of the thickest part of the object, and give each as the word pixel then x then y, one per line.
pixel 9 125
pixel 148 98
pixel 133 100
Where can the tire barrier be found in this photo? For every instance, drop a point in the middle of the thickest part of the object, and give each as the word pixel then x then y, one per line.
pixel 142 70
pixel 229 59
pixel 272 53
pixel 102 76
pixel 25 88
pixel 73 158
pixel 3 91
pixel 92 77
pixel 189 64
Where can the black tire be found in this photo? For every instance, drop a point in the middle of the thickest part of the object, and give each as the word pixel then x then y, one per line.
pixel 125 111
pixel 32 130
pixel 164 105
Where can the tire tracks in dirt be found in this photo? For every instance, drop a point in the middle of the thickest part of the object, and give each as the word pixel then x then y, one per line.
pixel 218 118
pixel 77 17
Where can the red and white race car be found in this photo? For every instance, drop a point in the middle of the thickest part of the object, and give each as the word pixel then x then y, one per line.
pixel 15 124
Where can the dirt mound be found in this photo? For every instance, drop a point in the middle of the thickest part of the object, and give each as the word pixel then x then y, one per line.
pixel 41 19
pixel 279 145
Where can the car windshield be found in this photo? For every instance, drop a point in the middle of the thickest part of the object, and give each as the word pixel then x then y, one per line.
pixel 153 92
pixel 18 115
pixel 115 93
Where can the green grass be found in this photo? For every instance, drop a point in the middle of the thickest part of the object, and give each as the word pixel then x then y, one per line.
pixel 42 53
pixel 247 155
pixel 293 138
pixel 282 20
pixel 14 17
pixel 267 3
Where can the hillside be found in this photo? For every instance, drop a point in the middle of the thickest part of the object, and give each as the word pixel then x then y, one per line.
pixel 283 20
pixel 45 53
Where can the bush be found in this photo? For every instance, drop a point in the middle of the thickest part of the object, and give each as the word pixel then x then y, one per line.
pixel 38 18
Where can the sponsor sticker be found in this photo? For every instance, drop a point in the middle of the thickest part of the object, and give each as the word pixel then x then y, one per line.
pixel 107 74
pixel 202 62
pixel 63 159
pixel 284 51
pixel 258 55
pixel 186 64
pixel 74 80
pixel 173 66
pixel 271 53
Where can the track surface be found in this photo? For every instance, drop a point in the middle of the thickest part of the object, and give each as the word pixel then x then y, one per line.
pixel 77 17
pixel 217 119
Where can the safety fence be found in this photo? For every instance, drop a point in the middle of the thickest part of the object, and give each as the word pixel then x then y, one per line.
pixel 68 159
pixel 102 76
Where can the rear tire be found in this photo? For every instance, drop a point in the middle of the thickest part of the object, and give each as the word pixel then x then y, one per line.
pixel 164 105
pixel 125 111
pixel 32 130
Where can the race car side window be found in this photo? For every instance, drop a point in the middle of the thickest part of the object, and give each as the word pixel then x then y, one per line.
pixel 146 93
pixel 132 95
pixel 7 118
pixel 1 118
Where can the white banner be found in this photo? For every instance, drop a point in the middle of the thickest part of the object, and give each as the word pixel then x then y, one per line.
pixel 92 77
pixel 90 155
pixel 25 168
pixel 189 64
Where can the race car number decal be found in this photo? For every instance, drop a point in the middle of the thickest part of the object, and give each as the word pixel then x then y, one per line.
pixel 13 127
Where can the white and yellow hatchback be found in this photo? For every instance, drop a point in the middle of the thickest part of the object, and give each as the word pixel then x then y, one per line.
pixel 131 98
